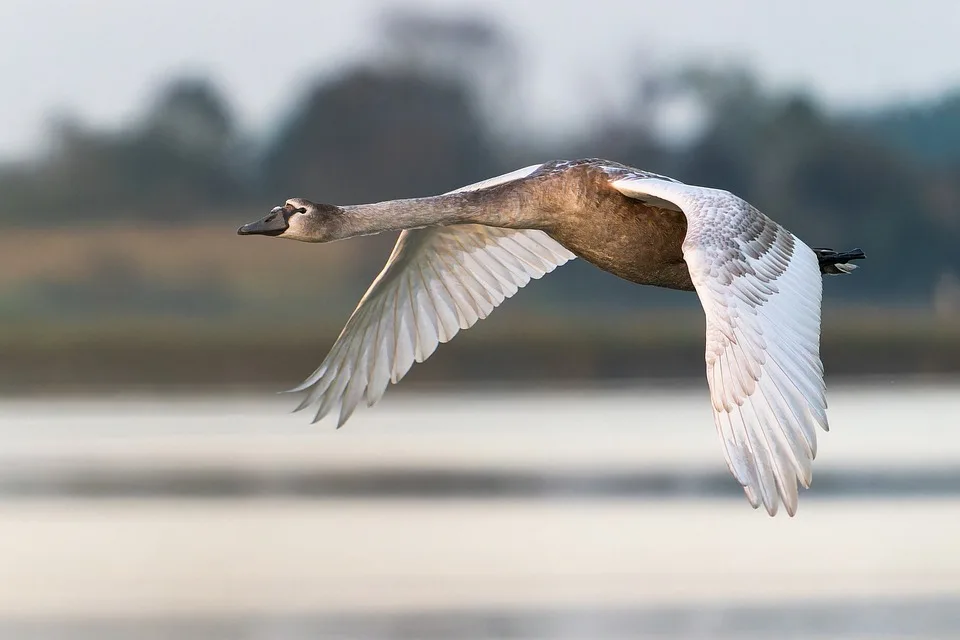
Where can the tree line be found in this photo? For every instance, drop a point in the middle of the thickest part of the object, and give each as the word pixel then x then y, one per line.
pixel 418 119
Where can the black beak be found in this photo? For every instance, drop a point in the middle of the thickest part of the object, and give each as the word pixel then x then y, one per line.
pixel 274 224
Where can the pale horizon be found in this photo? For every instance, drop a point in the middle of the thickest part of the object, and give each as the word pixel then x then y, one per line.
pixel 102 62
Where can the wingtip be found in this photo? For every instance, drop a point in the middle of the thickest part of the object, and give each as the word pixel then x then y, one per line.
pixel 303 405
pixel 791 503
pixel 303 386
pixel 752 496
pixel 318 416
pixel 342 420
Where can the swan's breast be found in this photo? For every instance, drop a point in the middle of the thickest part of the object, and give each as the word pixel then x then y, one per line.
pixel 623 236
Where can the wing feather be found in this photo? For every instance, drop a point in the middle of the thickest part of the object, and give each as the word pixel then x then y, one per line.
pixel 761 290
pixel 437 282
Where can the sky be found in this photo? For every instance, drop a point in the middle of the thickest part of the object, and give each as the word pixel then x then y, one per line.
pixel 103 60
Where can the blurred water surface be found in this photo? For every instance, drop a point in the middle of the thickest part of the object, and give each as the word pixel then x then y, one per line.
pixel 583 513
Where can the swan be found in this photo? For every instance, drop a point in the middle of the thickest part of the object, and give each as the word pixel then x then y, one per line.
pixel 460 254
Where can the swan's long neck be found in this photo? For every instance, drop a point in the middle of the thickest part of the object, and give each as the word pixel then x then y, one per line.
pixel 501 209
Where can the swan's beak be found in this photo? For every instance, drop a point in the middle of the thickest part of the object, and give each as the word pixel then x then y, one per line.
pixel 274 224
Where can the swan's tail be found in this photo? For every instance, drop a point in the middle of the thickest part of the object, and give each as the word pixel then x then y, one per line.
pixel 834 263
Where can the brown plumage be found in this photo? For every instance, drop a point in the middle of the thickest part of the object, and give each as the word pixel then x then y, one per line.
pixel 636 241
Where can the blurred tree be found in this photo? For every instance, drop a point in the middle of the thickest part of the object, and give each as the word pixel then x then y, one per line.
pixel 469 51
pixel 181 154
pixel 191 117
pixel 930 133
pixel 370 135
pixel 734 110
pixel 414 120
pixel 178 158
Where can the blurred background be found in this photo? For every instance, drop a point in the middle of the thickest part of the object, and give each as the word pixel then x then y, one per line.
pixel 554 471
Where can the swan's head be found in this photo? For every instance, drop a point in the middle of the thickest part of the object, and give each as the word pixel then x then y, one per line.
pixel 297 219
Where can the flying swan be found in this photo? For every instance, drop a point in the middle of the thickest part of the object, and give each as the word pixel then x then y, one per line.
pixel 462 253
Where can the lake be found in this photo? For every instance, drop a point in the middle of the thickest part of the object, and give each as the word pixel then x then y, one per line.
pixel 583 513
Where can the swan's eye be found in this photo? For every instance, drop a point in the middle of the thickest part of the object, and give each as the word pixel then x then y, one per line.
pixel 302 210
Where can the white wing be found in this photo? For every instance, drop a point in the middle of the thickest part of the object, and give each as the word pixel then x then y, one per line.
pixel 760 288
pixel 436 282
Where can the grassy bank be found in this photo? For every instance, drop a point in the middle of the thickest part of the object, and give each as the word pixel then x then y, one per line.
pixel 512 348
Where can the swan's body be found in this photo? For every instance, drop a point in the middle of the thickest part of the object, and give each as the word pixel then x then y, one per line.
pixel 462 253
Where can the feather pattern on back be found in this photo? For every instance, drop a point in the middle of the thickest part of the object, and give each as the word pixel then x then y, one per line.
pixel 760 288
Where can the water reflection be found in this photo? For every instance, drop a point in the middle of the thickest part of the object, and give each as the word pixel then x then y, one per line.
pixel 592 515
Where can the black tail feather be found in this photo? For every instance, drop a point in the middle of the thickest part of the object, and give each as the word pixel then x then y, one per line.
pixel 835 263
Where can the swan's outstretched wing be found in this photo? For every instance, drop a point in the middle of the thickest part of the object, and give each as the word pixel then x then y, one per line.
pixel 436 282
pixel 760 288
